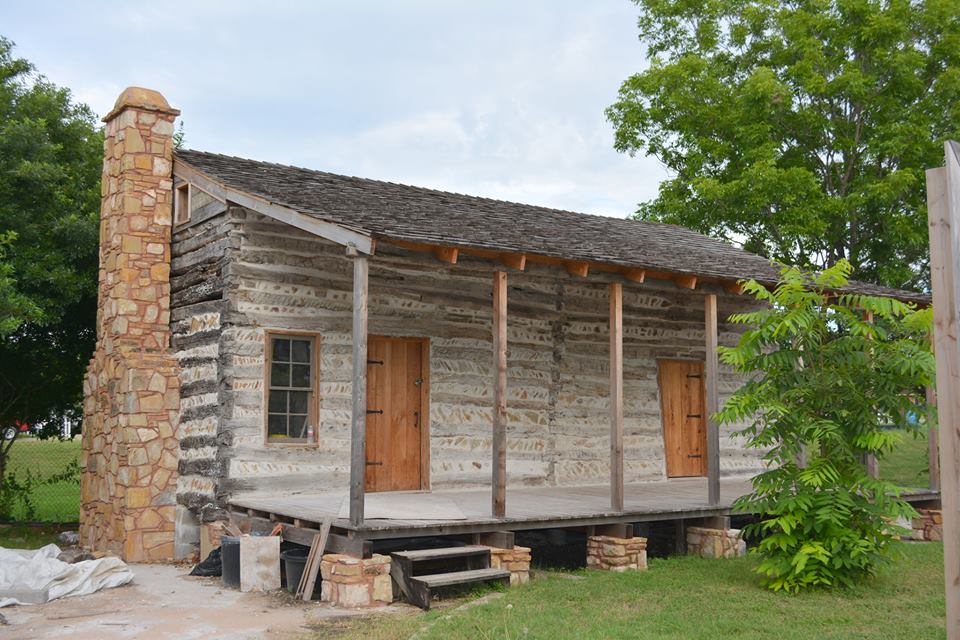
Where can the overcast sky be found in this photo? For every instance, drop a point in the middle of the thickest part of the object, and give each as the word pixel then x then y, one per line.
pixel 501 99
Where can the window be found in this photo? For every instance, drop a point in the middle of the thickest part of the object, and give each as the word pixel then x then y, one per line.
pixel 291 400
pixel 181 204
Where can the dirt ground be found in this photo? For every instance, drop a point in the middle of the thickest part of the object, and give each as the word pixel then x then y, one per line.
pixel 163 602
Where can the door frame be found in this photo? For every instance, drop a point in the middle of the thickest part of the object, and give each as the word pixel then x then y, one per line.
pixel 424 403
pixel 663 425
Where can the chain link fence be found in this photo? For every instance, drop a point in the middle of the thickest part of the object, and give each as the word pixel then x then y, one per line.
pixel 42 479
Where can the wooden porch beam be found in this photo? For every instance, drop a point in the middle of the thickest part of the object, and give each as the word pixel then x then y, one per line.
pixel 943 215
pixel 685 282
pixel 516 261
pixel 711 386
pixel 616 396
pixel 447 254
pixel 635 275
pixel 499 440
pixel 579 269
pixel 358 436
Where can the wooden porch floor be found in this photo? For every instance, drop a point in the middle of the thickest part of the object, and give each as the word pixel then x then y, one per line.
pixel 527 507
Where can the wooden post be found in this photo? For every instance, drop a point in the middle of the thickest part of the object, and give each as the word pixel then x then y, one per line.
pixel 358 437
pixel 616 396
pixel 499 484
pixel 711 382
pixel 943 212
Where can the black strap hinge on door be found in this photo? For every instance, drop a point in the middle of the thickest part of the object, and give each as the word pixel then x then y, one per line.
pixel 377 411
pixel 374 361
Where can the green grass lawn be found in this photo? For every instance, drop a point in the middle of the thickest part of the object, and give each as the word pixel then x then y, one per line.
pixel 58 502
pixel 684 598
pixel 20 536
pixel 907 465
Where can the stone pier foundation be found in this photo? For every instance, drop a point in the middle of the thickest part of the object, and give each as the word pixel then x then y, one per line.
pixel 351 582
pixel 608 553
pixel 715 543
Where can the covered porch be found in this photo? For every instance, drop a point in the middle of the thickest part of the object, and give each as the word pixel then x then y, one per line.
pixel 302 515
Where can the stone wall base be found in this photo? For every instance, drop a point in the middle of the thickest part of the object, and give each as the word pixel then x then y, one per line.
pixel 608 553
pixel 715 543
pixel 351 582
pixel 928 525
pixel 516 561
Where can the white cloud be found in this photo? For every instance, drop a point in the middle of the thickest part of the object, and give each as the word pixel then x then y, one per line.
pixel 501 99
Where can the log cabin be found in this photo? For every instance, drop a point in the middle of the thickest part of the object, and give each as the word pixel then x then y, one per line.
pixel 284 345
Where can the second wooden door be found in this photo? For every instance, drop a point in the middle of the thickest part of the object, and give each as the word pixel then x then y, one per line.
pixel 682 405
pixel 396 426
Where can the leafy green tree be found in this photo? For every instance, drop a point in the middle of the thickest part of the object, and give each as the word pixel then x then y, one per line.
pixel 801 129
pixel 50 163
pixel 823 381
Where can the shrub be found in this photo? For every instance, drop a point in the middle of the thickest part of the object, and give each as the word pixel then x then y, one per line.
pixel 823 382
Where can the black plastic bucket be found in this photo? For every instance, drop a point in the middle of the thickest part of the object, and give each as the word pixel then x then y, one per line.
pixel 230 555
pixel 294 561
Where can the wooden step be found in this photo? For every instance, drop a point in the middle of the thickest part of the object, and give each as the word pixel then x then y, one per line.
pixel 462 577
pixel 442 553
pixel 421 586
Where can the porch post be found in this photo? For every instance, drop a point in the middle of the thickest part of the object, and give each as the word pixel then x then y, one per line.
pixel 358 438
pixel 713 400
pixel 943 215
pixel 616 396
pixel 499 484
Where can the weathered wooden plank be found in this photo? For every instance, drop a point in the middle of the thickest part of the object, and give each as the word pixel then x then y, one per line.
pixel 616 396
pixel 943 213
pixel 499 465
pixel 711 387
pixel 358 439
pixel 336 543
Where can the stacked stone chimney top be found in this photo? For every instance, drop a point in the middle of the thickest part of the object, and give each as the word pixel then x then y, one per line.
pixel 141 98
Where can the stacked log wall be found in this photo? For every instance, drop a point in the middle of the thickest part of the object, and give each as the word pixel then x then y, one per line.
pixel 273 276
pixel 201 255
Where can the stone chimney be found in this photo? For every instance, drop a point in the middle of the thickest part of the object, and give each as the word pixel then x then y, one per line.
pixel 131 392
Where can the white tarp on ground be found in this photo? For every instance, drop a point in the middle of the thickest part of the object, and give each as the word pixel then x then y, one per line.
pixel 27 571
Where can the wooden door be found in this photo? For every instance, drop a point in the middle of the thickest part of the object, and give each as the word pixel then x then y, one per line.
pixel 396 423
pixel 682 406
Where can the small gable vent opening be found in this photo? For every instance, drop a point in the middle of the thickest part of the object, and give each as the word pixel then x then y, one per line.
pixel 181 204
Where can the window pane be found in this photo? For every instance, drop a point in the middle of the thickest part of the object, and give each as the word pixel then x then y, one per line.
pixel 301 351
pixel 279 375
pixel 278 402
pixel 298 426
pixel 301 376
pixel 281 350
pixel 298 401
pixel 277 426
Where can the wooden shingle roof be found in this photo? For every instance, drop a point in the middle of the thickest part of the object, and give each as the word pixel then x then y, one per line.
pixel 389 211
